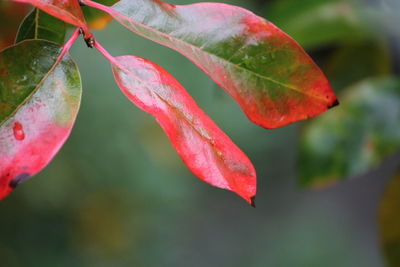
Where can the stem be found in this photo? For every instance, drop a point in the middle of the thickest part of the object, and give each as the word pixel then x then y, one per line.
pixel 69 43
pixel 103 51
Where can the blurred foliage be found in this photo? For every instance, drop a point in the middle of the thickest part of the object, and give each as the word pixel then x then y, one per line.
pixel 349 64
pixel 97 19
pixel 315 23
pixel 118 195
pixel 343 143
pixel 349 140
pixel 357 44
pixel 389 219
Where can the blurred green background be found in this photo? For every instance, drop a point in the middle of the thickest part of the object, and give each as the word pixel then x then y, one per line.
pixel 118 195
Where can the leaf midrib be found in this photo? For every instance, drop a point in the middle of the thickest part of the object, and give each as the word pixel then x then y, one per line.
pixel 36 34
pixel 217 151
pixel 116 13
pixel 179 113
pixel 146 84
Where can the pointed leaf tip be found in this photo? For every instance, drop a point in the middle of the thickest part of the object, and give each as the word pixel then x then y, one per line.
pixel 334 104
pixel 252 201
pixel 207 151
pixel 19 179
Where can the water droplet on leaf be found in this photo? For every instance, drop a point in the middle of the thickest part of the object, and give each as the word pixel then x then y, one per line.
pixel 18 131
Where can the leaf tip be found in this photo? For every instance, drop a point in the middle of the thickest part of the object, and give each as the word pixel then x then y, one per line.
pixel 334 104
pixel 252 201
pixel 19 179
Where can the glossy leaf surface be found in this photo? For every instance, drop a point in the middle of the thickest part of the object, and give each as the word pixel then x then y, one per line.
pixel 66 10
pixel 264 70
pixel 205 149
pixel 40 25
pixel 40 92
pixel 389 221
pixel 350 140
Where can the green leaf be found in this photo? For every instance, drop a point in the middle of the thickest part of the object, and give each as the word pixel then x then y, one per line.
pixel 353 138
pixel 40 25
pixel 40 92
pixel 315 23
pixel 389 221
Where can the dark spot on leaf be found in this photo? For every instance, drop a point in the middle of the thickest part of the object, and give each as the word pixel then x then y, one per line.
pixel 334 104
pixel 19 179
pixel 3 71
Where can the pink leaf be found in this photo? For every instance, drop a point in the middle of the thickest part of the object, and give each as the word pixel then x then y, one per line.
pixel 206 150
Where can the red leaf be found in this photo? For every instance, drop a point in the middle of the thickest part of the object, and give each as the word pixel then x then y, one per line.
pixel 262 68
pixel 66 10
pixel 206 150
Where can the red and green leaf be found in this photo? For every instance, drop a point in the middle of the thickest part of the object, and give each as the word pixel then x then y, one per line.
pixel 40 25
pixel 66 10
pixel 206 150
pixel 263 69
pixel 349 141
pixel 40 91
